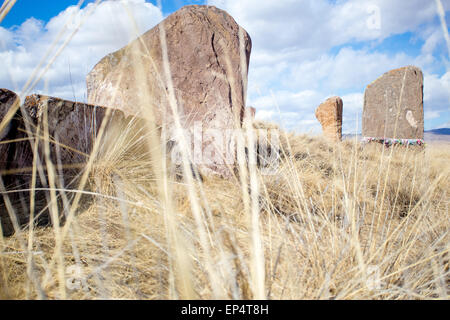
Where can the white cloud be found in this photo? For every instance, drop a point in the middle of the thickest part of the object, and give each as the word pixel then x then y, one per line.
pixel 353 107
pixel 437 92
pixel 320 24
pixel 264 115
pixel 105 28
pixel 302 86
pixel 444 125
pixel 347 69
pixel 431 115
pixel 307 50
pixel 6 39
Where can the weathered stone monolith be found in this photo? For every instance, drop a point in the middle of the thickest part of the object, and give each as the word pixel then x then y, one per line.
pixel 393 105
pixel 207 63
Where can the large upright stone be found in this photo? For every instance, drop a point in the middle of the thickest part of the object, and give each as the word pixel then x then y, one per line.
pixel 393 105
pixel 329 115
pixel 72 128
pixel 208 55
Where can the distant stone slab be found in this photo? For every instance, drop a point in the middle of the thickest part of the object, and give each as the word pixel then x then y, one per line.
pixel 208 55
pixel 72 127
pixel 393 105
pixel 329 115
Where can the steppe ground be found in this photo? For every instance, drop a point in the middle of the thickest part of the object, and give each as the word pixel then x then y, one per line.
pixel 334 221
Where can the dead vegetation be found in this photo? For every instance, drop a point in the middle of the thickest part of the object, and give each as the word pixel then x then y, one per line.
pixel 331 221
pixel 335 222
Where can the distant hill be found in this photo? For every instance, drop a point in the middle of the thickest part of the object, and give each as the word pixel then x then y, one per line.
pixel 443 131
pixel 438 135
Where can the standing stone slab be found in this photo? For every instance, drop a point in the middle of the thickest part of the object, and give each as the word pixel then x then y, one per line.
pixel 73 128
pixel 204 51
pixel 329 115
pixel 393 105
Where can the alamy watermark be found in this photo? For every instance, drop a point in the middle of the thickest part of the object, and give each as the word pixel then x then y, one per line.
pixel 373 22
pixel 212 146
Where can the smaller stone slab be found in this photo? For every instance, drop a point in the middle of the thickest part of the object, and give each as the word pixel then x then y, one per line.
pixel 329 115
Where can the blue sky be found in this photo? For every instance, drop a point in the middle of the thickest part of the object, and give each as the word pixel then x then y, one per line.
pixel 304 51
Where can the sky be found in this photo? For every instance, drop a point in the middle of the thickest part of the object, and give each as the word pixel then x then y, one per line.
pixel 304 51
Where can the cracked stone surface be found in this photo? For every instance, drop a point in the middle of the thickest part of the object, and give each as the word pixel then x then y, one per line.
pixel 329 115
pixel 208 75
pixel 72 128
pixel 393 105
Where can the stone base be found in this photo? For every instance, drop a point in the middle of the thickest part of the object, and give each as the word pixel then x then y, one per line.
pixel 395 142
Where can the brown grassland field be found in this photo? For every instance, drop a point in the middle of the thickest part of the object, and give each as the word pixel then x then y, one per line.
pixel 336 221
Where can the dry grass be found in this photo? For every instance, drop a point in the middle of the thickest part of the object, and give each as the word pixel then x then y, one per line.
pixel 333 219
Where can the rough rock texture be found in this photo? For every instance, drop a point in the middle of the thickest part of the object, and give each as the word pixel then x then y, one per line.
pixel 204 46
pixel 393 105
pixel 72 130
pixel 329 115
pixel 7 100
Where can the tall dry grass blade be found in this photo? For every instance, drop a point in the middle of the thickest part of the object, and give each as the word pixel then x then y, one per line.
pixel 258 274
pixel 5 8
pixel 54 212
pixel 19 237
pixel 182 273
pixel 388 170
pixel 32 203
pixel 84 179
pixel 196 208
pixel 441 14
